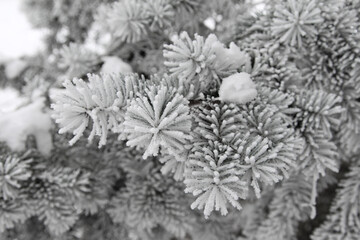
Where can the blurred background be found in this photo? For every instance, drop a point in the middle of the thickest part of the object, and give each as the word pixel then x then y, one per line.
pixel 19 38
pixel 17 35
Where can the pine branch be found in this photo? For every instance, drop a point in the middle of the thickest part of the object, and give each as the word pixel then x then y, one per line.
pixel 294 20
pixel 102 101
pixel 202 60
pixel 76 60
pixel 47 202
pixel 216 121
pixel 150 200
pixel 212 174
pixel 14 172
pixel 320 111
pixel 159 118
pixel 12 213
pixel 343 221
pixel 126 20
pixel 287 209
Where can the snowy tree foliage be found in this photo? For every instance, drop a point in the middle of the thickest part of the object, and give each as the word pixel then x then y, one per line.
pixel 295 21
pixel 101 102
pixel 13 172
pixel 205 60
pixel 184 119
pixel 212 175
pixel 158 119
pixel 76 60
pixel 126 20
pixel 343 221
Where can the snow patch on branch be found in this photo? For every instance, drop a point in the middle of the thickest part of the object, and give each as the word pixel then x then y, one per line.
pixel 237 88
pixel 17 125
pixel 114 64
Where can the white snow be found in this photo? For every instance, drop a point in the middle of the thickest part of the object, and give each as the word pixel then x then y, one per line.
pixel 237 88
pixel 114 64
pixel 10 100
pixel 232 55
pixel 14 68
pixel 210 23
pixel 18 38
pixel 3 58
pixel 16 125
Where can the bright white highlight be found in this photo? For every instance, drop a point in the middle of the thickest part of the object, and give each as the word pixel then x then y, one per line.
pixel 237 88
pixel 17 36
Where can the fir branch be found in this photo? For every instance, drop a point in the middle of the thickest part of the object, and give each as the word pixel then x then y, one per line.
pixel 294 20
pixel 190 90
pixel 343 221
pixel 279 100
pixel 102 101
pixel 127 20
pixel 160 13
pixel 159 118
pixel 319 154
pixel 48 203
pixel 150 200
pixel 287 209
pixel 266 124
pixel 349 141
pixel 14 172
pixel 320 111
pixel 202 60
pixel 351 114
pixel 175 163
pixel 76 60
pixel 74 183
pixel 213 175
pixel 12 213
pixel 186 5
pixel 187 58
pixel 256 156
pixel 216 121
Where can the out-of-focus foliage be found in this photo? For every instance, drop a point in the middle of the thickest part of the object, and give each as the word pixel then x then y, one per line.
pixel 67 20
pixel 234 123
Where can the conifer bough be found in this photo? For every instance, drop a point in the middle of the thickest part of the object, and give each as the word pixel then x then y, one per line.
pixel 210 121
